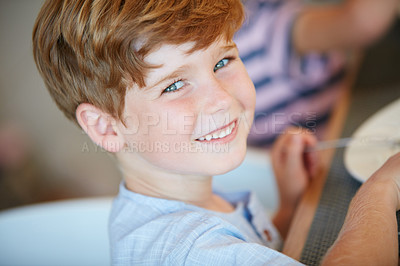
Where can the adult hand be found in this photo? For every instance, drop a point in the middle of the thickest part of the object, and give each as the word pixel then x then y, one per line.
pixel 389 174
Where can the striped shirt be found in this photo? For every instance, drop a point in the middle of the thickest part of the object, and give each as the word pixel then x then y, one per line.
pixel 291 89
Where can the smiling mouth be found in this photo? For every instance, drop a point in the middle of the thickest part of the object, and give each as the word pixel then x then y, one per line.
pixel 219 133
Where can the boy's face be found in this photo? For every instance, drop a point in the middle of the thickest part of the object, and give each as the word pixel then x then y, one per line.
pixel 194 114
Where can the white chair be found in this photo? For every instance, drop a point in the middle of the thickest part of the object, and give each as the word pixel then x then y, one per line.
pixel 71 232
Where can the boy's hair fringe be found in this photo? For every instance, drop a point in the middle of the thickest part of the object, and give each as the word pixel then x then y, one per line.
pixel 91 51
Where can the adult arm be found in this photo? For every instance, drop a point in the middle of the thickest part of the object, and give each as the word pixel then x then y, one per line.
pixel 351 25
pixel 369 233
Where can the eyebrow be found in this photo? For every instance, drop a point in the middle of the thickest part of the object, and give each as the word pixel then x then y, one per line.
pixel 180 70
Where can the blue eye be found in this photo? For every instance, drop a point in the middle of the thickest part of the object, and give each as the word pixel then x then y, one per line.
pixel 221 64
pixel 174 86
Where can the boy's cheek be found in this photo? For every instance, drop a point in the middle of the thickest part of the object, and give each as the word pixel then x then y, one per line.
pixel 248 96
pixel 246 90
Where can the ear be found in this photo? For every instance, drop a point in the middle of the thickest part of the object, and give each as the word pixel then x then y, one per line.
pixel 100 127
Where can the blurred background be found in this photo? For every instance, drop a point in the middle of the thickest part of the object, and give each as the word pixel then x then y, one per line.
pixel 43 156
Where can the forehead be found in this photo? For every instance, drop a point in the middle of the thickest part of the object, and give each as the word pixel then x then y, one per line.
pixel 166 53
pixel 177 55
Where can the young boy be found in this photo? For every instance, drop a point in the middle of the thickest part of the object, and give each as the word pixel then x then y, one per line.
pixel 159 84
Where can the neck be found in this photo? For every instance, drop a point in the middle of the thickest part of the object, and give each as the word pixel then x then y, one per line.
pixel 191 189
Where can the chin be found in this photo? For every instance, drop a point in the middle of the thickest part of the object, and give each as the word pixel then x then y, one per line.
pixel 233 160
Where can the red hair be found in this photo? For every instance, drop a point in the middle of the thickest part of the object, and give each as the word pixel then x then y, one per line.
pixel 91 51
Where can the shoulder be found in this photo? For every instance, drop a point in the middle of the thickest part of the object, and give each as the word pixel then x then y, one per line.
pixel 152 231
pixel 165 236
pixel 189 237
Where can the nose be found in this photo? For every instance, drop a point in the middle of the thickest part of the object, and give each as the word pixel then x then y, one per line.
pixel 218 98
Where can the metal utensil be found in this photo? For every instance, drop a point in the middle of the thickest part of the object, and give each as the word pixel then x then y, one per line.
pixel 344 142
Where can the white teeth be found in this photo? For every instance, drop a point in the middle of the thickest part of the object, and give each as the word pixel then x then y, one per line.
pixel 221 135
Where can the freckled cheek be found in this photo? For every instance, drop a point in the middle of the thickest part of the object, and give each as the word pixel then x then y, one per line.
pixel 244 90
pixel 177 120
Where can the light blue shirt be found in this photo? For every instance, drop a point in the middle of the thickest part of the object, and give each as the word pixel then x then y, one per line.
pixel 152 231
